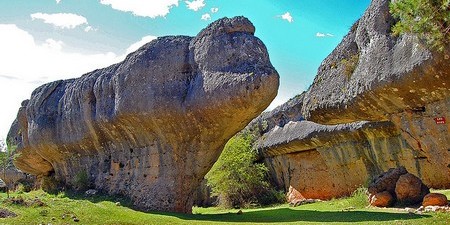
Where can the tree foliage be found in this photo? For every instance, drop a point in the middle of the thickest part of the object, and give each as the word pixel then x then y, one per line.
pixel 428 19
pixel 236 179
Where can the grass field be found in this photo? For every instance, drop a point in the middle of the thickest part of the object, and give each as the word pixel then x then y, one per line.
pixel 60 208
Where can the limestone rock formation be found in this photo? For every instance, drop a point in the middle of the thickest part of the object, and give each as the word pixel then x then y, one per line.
pixel 435 199
pixel 378 101
pixel 375 76
pixel 151 126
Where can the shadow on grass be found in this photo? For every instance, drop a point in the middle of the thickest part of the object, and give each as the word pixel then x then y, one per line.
pixel 99 197
pixel 289 215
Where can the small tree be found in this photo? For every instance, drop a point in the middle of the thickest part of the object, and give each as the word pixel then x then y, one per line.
pixel 428 19
pixel 5 161
pixel 236 179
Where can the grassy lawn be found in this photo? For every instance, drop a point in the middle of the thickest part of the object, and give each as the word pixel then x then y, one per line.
pixel 103 210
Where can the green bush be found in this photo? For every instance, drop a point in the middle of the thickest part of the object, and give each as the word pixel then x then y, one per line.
pixel 359 198
pixel 81 181
pixel 236 179
pixel 428 19
pixel 50 184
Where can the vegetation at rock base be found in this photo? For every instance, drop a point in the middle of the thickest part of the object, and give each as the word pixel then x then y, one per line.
pixel 81 180
pixel 428 19
pixel 40 207
pixel 237 180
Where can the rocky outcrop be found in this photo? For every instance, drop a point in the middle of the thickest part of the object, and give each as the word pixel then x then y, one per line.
pixel 373 75
pixel 378 102
pixel 151 126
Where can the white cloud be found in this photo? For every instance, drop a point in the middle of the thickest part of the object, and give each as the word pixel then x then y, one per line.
pixel 195 5
pixel 144 8
pixel 321 35
pixel 287 16
pixel 135 46
pixel 58 1
pixel 89 28
pixel 61 20
pixel 206 16
pixel 26 64
pixel 214 10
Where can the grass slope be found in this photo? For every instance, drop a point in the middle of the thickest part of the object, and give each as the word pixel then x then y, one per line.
pixel 103 210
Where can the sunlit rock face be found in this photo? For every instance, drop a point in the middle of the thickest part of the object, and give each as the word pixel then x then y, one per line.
pixel 151 126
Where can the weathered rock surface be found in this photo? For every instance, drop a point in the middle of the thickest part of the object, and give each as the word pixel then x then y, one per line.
pixel 434 199
pixel 380 97
pixel 151 126
pixel 327 161
pixel 409 189
pixel 373 75
pixel 382 199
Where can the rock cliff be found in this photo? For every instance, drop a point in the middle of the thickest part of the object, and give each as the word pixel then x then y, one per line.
pixel 151 126
pixel 384 101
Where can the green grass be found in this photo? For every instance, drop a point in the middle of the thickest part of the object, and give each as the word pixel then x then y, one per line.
pixel 102 210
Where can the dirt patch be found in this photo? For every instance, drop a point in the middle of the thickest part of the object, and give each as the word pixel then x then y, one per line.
pixel 5 213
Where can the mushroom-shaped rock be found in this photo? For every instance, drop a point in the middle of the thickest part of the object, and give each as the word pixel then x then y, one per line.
pixel 151 126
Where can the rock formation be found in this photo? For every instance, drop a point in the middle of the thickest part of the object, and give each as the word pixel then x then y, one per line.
pixel 151 126
pixel 399 185
pixel 378 102
pixel 373 75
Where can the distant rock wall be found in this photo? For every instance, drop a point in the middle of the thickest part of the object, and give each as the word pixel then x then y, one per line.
pixel 151 126
pixel 400 91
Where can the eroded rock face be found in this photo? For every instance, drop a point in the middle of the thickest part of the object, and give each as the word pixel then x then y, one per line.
pixel 151 126
pixel 374 104
pixel 375 76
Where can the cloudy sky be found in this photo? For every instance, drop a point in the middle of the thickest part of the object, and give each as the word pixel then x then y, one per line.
pixel 46 40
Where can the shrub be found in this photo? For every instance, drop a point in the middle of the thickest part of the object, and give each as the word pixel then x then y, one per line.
pixel 50 184
pixel 359 198
pixel 428 19
pixel 236 179
pixel 81 181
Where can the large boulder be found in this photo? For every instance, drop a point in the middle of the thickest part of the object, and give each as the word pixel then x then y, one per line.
pixel 409 189
pixel 151 126
pixel 386 181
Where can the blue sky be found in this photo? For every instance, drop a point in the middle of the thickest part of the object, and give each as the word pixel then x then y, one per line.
pixel 46 40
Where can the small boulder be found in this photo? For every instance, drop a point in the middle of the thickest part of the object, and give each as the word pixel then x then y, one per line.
pixel 294 196
pixel 435 199
pixel 382 199
pixel 409 189
pixel 90 192
pixel 386 181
